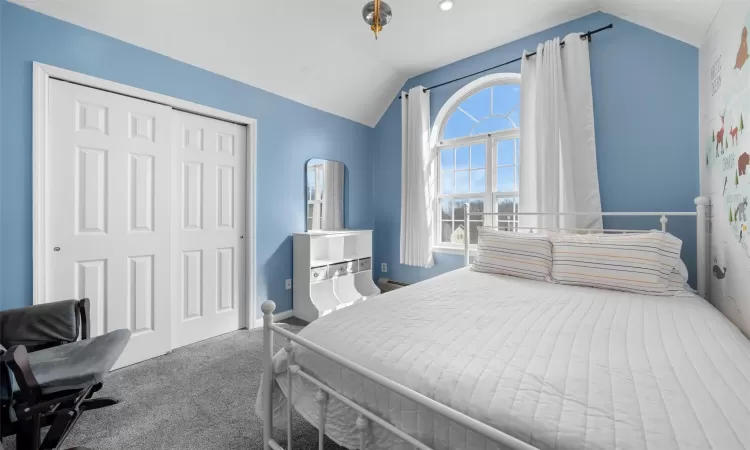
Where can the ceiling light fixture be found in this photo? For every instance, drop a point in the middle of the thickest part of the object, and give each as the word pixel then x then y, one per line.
pixel 445 5
pixel 377 14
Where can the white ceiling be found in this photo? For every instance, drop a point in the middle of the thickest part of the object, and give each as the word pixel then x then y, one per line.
pixel 322 54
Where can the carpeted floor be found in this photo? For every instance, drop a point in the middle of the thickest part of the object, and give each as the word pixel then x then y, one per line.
pixel 198 397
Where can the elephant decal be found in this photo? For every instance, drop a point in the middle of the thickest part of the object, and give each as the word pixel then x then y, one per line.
pixel 740 214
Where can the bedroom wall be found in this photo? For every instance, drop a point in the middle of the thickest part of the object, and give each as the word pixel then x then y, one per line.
pixel 645 88
pixel 724 81
pixel 288 134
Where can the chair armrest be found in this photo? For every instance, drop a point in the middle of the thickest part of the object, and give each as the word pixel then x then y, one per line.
pixel 17 360
pixel 41 326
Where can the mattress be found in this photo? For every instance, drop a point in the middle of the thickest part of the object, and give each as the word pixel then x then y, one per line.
pixel 555 366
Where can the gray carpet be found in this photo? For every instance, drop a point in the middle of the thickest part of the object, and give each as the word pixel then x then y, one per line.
pixel 198 397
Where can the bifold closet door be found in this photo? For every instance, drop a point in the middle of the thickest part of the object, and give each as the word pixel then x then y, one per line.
pixel 107 216
pixel 208 226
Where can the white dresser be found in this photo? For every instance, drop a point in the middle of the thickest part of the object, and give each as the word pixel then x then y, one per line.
pixel 332 270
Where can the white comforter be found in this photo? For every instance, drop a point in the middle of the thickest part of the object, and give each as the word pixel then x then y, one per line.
pixel 555 366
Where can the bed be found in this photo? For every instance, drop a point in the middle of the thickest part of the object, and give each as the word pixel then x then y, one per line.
pixel 482 361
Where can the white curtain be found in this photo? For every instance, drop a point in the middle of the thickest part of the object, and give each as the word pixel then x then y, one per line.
pixel 558 150
pixel 417 180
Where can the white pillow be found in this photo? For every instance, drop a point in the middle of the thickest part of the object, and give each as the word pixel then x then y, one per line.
pixel 518 254
pixel 640 263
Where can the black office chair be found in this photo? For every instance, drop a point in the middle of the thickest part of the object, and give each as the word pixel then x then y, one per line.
pixel 47 375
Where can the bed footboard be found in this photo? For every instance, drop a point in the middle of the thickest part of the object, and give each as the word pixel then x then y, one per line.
pixel 365 417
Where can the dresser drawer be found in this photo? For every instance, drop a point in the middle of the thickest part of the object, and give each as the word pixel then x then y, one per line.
pixel 365 264
pixel 344 268
pixel 318 274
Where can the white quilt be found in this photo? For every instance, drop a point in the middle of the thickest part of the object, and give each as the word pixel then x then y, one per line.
pixel 555 366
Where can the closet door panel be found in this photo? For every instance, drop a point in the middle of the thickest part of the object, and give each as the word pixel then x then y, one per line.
pixel 107 212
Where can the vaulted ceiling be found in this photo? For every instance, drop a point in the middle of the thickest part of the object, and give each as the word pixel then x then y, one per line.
pixel 321 53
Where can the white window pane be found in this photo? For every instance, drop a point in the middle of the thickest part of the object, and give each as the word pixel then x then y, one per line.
pixel 446 229
pixel 505 179
pixel 458 210
pixel 478 156
pixel 457 234
pixel 515 118
pixel 446 159
pixel 458 125
pixel 462 158
pixel 446 182
pixel 478 105
pixel 505 98
pixel 491 124
pixel 474 232
pixel 505 152
pixel 478 181
pixel 309 224
pixel 507 205
pixel 445 208
pixel 310 209
pixel 462 182
pixel 476 205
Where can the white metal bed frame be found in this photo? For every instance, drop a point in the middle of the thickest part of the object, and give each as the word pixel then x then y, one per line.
pixel 365 416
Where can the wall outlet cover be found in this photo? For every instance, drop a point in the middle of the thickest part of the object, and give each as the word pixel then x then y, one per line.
pixel 384 267
pixel 288 283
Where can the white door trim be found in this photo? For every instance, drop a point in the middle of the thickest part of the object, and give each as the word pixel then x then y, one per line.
pixel 42 74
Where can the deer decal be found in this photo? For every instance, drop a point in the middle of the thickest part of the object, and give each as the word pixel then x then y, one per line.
pixel 733 133
pixel 720 138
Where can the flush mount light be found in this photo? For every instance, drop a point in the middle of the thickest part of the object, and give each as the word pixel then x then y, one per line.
pixel 445 5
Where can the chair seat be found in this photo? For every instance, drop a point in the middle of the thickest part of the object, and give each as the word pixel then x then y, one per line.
pixel 78 364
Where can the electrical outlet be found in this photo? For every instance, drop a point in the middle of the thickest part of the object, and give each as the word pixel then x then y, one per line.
pixel 384 267
pixel 288 283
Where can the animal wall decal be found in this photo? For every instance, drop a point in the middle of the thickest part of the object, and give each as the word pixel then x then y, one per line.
pixel 718 272
pixel 733 134
pixel 742 163
pixel 720 138
pixel 739 214
pixel 742 53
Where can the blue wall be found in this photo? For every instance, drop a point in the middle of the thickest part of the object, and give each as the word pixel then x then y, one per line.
pixel 645 88
pixel 288 135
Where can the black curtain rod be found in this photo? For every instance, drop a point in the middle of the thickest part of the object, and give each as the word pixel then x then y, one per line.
pixel 562 44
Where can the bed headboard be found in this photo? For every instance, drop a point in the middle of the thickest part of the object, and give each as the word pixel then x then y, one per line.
pixel 700 214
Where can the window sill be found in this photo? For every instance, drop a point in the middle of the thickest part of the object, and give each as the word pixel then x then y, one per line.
pixel 454 250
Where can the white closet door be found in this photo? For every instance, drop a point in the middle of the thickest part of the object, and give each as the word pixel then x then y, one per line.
pixel 107 216
pixel 208 210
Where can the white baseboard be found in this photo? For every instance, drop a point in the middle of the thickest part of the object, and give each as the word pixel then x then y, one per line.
pixel 276 318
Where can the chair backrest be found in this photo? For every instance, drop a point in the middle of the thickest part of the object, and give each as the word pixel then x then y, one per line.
pixel 41 326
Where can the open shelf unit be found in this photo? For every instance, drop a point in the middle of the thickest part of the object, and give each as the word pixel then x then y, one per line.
pixel 332 270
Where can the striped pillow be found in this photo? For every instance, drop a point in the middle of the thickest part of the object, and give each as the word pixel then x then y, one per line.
pixel 640 263
pixel 518 254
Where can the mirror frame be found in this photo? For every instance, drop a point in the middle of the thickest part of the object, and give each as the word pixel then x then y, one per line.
pixel 345 199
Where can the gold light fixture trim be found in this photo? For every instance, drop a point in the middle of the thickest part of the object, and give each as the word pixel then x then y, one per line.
pixel 377 14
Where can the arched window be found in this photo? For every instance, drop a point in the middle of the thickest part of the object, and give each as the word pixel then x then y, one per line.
pixel 476 135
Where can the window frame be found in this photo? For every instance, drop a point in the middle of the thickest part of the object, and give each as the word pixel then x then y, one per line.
pixel 490 196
